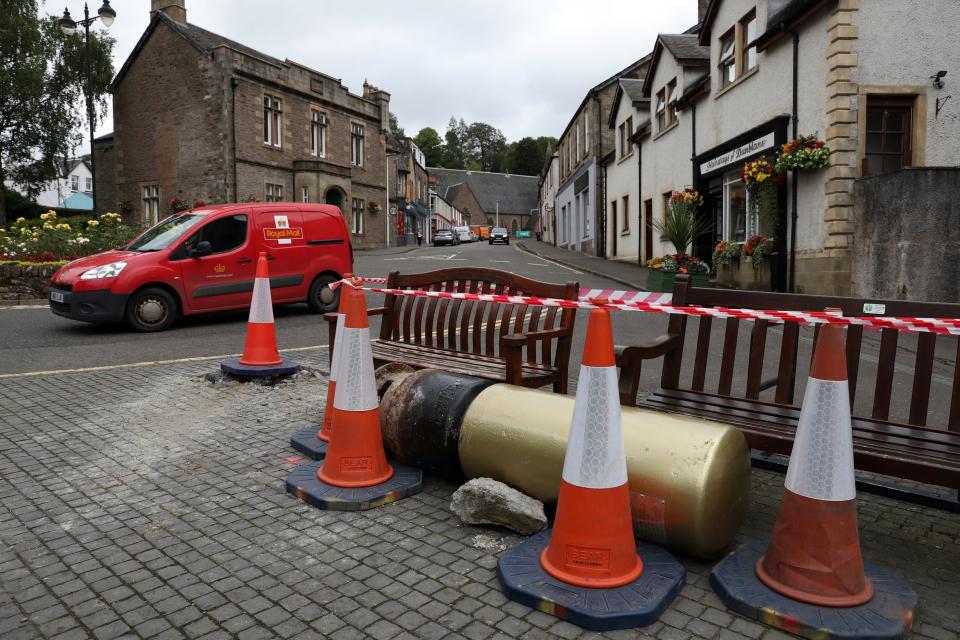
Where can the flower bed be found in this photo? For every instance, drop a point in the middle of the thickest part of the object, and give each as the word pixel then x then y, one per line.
pixel 52 240
pixel 665 269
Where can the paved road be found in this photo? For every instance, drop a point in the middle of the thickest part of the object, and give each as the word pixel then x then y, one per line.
pixel 36 340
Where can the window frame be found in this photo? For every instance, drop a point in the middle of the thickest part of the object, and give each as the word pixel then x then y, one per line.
pixel 905 104
pixel 272 192
pixel 728 61
pixel 150 194
pixel 625 209
pixel 88 183
pixel 356 219
pixel 356 144
pixel 75 183
pixel 660 109
pixel 744 48
pixel 318 133
pixel 305 194
pixel 272 121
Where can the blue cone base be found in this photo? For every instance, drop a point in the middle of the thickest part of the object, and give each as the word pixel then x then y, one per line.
pixel 636 604
pixel 304 484
pixel 889 614
pixel 306 442
pixel 233 368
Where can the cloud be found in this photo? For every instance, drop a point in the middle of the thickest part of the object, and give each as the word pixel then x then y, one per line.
pixel 520 65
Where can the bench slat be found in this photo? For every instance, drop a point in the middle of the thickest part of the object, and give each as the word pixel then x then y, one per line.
pixel 786 373
pixel 705 324
pixel 923 370
pixel 884 385
pixel 854 337
pixel 729 356
pixel 954 421
pixel 758 343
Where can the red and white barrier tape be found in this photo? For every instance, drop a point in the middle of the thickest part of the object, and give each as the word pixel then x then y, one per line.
pixel 945 326
pixel 613 295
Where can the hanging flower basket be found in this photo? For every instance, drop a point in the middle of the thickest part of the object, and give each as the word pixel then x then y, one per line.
pixel 762 181
pixel 807 153
pixel 374 207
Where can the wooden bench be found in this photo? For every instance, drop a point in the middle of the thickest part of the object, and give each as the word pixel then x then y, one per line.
pixel 907 447
pixel 527 346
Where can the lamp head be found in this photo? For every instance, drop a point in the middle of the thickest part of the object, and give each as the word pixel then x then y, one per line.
pixel 67 25
pixel 938 78
pixel 107 14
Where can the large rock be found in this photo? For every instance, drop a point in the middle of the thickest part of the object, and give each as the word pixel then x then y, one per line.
pixel 486 501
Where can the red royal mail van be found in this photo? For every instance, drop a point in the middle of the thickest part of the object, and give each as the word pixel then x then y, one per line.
pixel 205 260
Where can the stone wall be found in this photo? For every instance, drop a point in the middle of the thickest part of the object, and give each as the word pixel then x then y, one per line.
pixel 25 283
pixel 908 235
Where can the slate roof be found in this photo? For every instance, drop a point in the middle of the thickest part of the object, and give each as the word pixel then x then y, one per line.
pixel 633 88
pixel 685 46
pixel 516 194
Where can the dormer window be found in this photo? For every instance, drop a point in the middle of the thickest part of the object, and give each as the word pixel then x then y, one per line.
pixel 728 58
pixel 738 53
pixel 662 109
pixel 749 28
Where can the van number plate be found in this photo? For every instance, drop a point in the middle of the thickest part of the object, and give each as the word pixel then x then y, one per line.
pixel 56 296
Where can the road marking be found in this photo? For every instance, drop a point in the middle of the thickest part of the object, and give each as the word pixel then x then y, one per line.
pixel 501 261
pixel 537 264
pixel 147 363
pixel 26 306
pixel 553 262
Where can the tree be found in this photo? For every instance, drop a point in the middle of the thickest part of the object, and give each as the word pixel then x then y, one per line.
pixel 395 126
pixel 42 78
pixel 432 146
pixel 524 158
pixel 546 145
pixel 485 145
pixel 454 153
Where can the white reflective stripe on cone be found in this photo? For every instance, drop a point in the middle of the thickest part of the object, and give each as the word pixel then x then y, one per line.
pixel 337 337
pixel 595 456
pixel 821 464
pixel 356 388
pixel 261 306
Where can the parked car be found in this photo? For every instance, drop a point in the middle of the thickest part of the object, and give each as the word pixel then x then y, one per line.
pixel 205 260
pixel 499 234
pixel 444 236
pixel 463 234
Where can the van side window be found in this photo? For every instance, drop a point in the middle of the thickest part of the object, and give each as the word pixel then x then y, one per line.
pixel 223 235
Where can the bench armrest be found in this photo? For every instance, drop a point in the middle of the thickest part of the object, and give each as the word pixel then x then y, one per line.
pixel 630 359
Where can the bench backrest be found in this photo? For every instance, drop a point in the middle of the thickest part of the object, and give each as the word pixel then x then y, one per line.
pixel 470 326
pixel 912 371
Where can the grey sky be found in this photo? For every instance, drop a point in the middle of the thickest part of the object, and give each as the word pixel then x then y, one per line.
pixel 522 65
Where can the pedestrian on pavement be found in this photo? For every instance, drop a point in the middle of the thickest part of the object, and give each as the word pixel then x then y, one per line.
pixel 419 237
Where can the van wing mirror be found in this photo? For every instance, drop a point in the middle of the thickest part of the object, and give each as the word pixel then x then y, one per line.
pixel 203 248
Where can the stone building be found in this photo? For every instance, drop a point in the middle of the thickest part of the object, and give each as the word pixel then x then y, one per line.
pixel 587 138
pixel 758 74
pixel 410 197
pixel 198 116
pixel 497 199
pixel 549 179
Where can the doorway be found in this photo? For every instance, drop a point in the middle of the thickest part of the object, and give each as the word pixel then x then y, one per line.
pixel 336 197
pixel 647 229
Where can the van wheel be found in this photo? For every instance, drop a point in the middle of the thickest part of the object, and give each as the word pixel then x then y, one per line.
pixel 321 298
pixel 151 309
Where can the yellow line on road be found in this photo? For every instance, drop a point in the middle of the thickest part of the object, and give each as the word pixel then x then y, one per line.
pixel 553 262
pixel 147 363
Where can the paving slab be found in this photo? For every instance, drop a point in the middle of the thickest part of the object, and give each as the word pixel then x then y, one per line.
pixel 148 502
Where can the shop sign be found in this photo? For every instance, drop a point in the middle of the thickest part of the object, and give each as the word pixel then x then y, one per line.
pixel 735 155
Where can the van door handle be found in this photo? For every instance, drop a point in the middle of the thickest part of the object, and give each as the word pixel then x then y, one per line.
pixel 244 261
pixel 271 258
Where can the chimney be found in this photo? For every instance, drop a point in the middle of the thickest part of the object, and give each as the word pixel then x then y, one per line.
pixel 382 98
pixel 176 9
pixel 702 10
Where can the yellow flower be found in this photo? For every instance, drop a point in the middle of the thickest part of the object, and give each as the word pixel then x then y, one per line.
pixel 761 177
pixel 92 223
pixel 63 226
pixel 21 220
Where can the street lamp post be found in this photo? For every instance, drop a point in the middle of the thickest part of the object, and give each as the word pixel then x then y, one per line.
pixel 106 14
pixel 386 208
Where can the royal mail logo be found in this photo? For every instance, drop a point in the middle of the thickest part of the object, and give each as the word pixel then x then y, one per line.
pixel 220 268
pixel 283 234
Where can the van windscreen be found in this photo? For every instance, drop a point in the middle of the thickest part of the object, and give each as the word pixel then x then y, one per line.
pixel 165 233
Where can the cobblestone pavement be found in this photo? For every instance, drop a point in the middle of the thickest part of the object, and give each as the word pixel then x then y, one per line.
pixel 148 503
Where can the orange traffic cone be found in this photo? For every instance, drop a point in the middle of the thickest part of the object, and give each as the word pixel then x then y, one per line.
pixel 592 541
pixel 355 457
pixel 260 349
pixel 324 433
pixel 814 552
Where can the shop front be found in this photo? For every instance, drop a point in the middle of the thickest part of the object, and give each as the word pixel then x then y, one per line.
pixel 729 203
